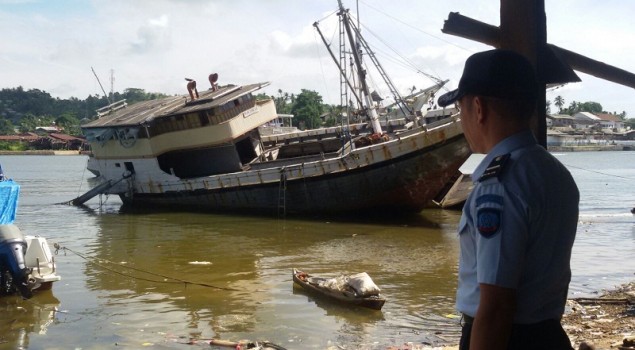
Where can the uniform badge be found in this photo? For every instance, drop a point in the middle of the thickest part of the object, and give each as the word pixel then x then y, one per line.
pixel 495 167
pixel 488 221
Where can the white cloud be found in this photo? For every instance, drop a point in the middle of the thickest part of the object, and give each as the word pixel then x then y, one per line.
pixel 153 45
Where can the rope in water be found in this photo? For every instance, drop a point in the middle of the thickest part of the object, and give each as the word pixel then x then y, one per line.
pixel 168 279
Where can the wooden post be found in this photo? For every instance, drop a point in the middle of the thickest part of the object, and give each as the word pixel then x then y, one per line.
pixel 523 29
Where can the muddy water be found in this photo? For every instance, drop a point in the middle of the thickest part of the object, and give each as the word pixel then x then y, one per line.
pixel 157 279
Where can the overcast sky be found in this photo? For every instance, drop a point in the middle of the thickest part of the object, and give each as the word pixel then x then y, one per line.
pixel 154 44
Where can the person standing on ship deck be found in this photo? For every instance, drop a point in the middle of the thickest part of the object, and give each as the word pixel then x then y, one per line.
pixel 519 222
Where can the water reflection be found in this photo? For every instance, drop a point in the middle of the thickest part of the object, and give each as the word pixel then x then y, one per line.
pixel 250 259
pixel 23 319
pixel 412 258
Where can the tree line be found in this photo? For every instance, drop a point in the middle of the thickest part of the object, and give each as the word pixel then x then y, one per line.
pixel 576 107
pixel 25 110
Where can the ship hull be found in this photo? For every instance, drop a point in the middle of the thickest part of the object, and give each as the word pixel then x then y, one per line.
pixel 402 184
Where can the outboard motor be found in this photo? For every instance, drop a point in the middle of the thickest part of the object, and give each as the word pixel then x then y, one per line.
pixel 14 273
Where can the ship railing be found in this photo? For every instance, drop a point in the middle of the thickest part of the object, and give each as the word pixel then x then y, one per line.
pixel 111 108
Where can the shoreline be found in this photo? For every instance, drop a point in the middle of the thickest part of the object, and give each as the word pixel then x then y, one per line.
pixel 600 323
pixel 42 153
pixel 589 148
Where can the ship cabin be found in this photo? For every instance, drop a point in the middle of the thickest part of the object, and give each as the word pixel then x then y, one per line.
pixel 209 133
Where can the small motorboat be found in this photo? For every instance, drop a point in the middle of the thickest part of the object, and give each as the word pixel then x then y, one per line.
pixel 26 262
pixel 358 289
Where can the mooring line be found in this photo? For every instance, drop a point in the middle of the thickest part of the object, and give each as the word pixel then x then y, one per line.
pixel 174 279
pixel 599 172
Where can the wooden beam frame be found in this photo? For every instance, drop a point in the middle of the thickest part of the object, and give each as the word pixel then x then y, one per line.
pixel 471 29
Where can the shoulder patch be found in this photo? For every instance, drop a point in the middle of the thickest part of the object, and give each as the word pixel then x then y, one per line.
pixel 495 167
pixel 489 198
pixel 488 221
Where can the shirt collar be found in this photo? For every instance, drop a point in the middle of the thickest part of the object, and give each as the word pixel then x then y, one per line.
pixel 507 145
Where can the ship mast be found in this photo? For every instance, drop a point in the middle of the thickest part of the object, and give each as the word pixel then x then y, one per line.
pixel 361 72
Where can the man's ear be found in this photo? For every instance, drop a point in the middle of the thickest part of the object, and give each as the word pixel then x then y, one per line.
pixel 480 109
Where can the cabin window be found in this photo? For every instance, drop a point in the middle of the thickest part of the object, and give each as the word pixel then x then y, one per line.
pixel 214 116
pixel 202 117
pixel 193 120
pixel 180 123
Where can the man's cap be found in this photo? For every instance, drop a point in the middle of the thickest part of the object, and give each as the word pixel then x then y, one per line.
pixel 495 73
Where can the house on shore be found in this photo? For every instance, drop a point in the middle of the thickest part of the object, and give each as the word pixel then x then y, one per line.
pixel 52 141
pixel 587 129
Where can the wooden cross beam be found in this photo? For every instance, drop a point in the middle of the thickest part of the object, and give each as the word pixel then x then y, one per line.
pixel 524 29
pixel 471 29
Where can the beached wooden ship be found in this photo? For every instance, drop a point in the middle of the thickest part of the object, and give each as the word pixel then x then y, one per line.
pixel 205 151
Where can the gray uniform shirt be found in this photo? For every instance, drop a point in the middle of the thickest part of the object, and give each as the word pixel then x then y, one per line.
pixel 517 230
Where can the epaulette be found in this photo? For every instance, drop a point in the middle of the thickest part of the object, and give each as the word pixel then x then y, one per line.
pixel 495 167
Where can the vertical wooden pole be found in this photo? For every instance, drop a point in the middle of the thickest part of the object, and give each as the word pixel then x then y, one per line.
pixel 524 30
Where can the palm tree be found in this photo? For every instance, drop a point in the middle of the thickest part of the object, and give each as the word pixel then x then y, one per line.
pixel 559 102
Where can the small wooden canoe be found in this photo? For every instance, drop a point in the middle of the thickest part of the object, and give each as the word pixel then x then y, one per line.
pixel 312 284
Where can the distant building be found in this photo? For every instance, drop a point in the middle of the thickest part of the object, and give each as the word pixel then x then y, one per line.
pixel 48 129
pixel 54 141
pixel 611 122
pixel 59 141
pixel 561 120
pixel 25 137
pixel 558 138
pixel 608 123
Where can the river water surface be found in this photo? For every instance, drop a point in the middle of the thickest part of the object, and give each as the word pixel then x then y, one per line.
pixel 233 273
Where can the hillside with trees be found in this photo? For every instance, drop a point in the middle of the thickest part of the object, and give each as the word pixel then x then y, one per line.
pixel 23 111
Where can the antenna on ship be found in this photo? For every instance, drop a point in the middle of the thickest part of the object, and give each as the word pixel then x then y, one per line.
pixel 111 106
pixel 112 83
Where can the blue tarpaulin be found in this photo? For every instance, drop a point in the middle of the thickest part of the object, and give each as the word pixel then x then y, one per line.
pixel 9 193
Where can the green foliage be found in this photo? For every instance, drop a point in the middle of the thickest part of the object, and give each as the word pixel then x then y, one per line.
pixel 333 115
pixel 30 109
pixel 28 123
pixel 33 108
pixel 284 102
pixel 559 102
pixel 68 122
pixel 575 107
pixel 6 127
pixel 307 109
pixel 13 146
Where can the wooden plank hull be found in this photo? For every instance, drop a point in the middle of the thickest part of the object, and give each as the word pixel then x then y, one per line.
pixel 397 185
pixel 302 279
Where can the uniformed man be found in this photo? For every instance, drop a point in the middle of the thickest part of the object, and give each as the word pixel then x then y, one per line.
pixel 520 220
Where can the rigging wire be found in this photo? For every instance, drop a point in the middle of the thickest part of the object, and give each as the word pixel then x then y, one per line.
pixel 415 28
pixel 173 279
pixel 327 16
pixel 317 49
pixel 406 60
pixel 599 172
pixel 79 190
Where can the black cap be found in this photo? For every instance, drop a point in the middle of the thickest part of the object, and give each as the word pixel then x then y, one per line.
pixel 495 73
